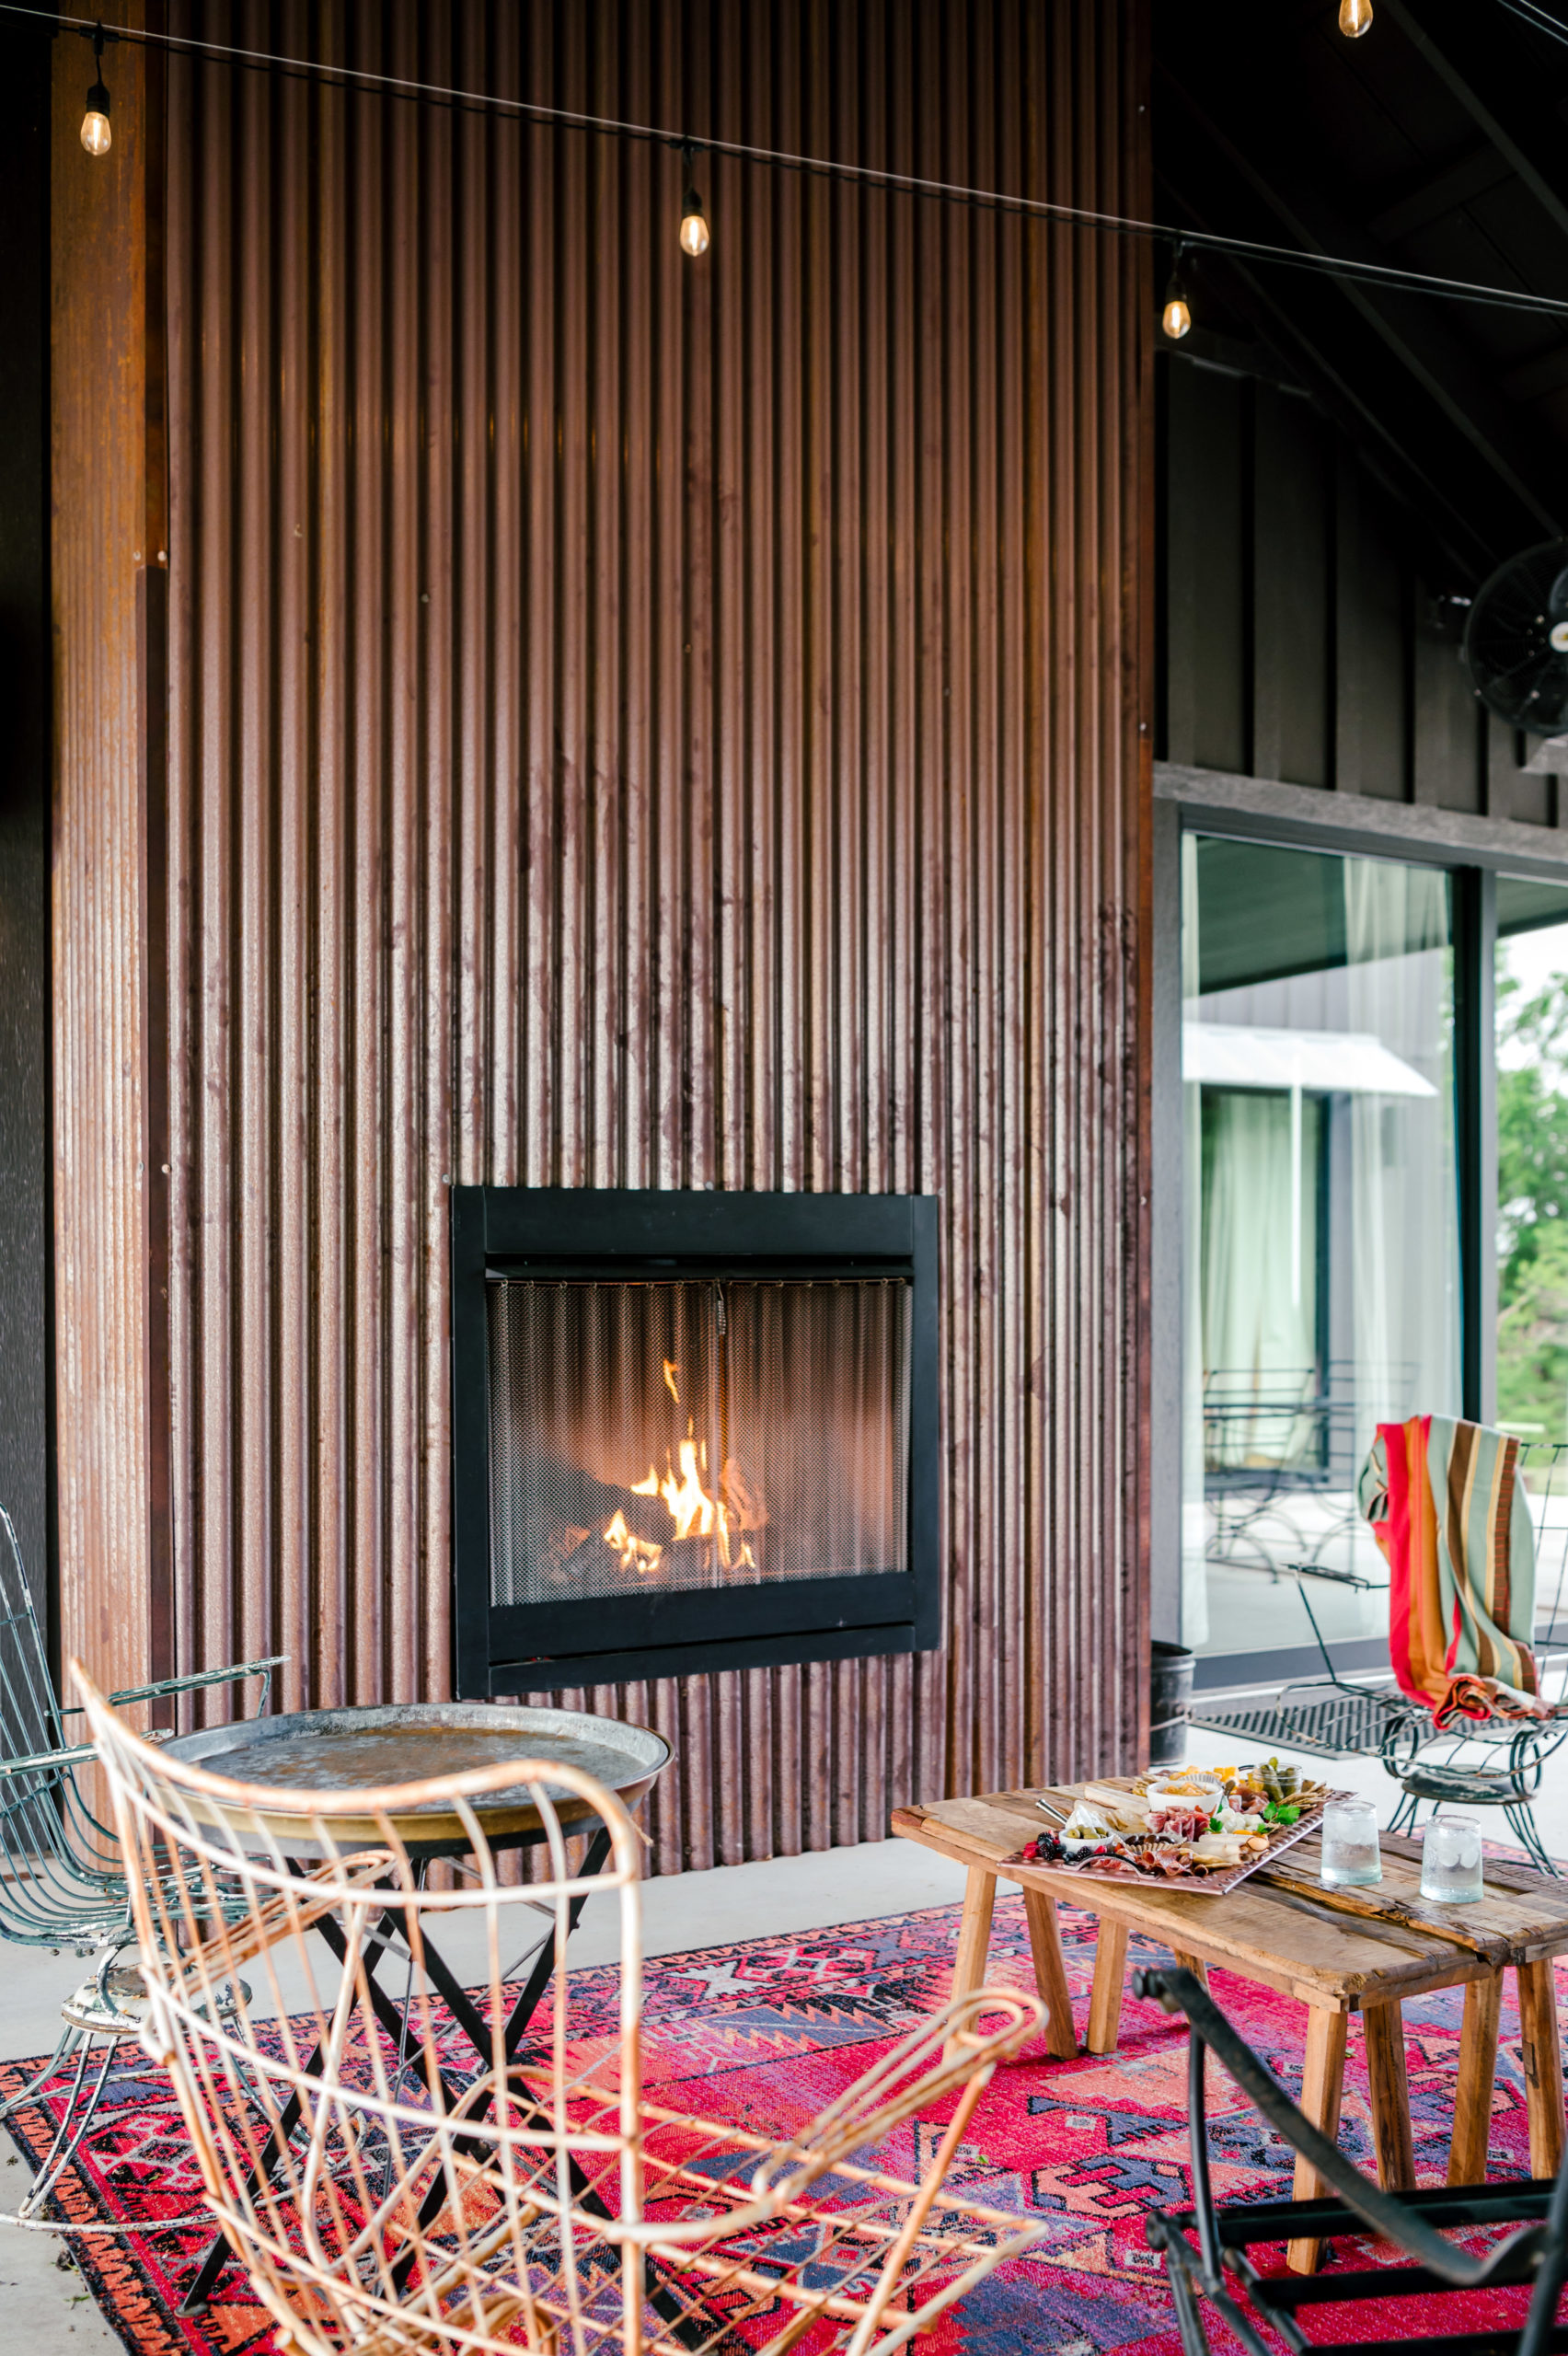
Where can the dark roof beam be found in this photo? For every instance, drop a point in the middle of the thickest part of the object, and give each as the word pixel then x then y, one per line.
pixel 1441 193
pixel 1533 381
pixel 1523 461
pixel 1495 74
pixel 1352 374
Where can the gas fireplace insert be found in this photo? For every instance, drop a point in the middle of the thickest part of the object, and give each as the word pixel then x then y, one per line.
pixel 690 1431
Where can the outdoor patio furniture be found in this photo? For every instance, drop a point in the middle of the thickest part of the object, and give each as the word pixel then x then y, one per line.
pixel 1281 1930
pixel 1274 1452
pixel 61 1875
pixel 1217 2265
pixel 443 2191
pixel 404 1742
pixel 1473 1764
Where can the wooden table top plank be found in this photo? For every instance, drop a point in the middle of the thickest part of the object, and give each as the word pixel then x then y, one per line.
pixel 1526 1909
pixel 1319 1956
pixel 1501 1873
pixel 1531 1917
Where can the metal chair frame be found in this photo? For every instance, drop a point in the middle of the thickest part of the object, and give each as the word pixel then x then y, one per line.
pixel 1206 2248
pixel 1430 1765
pixel 61 1875
pixel 539 2198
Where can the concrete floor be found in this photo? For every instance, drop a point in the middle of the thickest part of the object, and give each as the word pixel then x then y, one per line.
pixel 45 2306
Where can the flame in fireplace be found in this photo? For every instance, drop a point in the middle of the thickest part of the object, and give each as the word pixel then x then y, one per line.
pixel 695 1513
pixel 636 1553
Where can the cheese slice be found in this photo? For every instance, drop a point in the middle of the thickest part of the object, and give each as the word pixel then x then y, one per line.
pixel 1129 1809
pixel 1221 1848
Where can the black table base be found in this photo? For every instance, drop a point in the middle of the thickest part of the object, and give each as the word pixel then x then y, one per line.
pixel 393 2021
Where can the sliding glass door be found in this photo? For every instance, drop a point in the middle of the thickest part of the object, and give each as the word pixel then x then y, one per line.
pixel 1532 1158
pixel 1321 1275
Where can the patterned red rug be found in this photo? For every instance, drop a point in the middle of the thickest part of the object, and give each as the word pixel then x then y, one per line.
pixel 768 2030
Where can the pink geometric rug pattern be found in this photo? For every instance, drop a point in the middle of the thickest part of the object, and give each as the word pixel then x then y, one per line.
pixel 765 2031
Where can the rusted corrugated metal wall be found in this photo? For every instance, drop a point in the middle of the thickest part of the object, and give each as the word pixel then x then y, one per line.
pixel 105 905
pixel 638 723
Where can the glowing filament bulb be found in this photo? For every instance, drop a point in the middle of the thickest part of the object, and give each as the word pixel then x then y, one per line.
pixel 1175 315
pixel 1355 18
pixel 97 136
pixel 693 227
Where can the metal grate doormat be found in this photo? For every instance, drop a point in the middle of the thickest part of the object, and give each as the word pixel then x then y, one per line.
pixel 1324 1719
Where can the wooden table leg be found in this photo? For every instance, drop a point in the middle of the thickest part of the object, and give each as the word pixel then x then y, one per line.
pixel 1192 1963
pixel 1323 2081
pixel 1384 2028
pixel 1105 1999
pixel 1478 2072
pixel 1050 1974
pixel 974 1933
pixel 1540 2052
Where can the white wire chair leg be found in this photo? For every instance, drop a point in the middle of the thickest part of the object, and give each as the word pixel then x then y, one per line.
pixel 68 2136
pixel 69 2041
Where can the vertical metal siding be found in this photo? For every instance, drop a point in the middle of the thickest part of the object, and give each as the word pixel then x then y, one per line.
pixel 104 1009
pixel 654 724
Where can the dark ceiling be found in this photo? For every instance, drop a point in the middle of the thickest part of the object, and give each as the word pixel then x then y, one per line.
pixel 1437 141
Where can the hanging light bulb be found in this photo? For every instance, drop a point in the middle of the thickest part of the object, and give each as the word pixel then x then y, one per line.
pixel 97 136
pixel 1355 18
pixel 695 237
pixel 1176 318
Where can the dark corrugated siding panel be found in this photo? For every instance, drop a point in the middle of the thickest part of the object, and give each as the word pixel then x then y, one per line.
pixel 638 724
pixel 1300 641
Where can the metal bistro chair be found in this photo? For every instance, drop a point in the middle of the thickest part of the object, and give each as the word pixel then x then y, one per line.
pixel 1471 1764
pixel 388 2197
pixel 1495 1763
pixel 1206 2248
pixel 61 1875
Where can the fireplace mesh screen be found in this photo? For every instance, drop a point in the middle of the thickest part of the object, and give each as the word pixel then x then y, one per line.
pixel 694 1434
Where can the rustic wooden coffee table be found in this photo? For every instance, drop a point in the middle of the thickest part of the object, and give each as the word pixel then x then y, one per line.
pixel 1281 1933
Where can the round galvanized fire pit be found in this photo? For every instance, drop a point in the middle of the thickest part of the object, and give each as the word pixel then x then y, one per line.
pixel 370 1750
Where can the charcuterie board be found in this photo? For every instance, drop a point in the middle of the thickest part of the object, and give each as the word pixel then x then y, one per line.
pixel 1147 1861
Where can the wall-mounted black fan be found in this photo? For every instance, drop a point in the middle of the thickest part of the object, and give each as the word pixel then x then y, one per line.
pixel 1517 640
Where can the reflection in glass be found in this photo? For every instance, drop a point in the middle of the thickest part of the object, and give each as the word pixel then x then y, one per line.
pixel 1532 1159
pixel 1322 1253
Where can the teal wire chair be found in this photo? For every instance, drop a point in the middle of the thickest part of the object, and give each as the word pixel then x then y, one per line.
pixel 61 1878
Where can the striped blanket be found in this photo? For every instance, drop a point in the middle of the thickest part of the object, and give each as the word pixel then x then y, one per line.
pixel 1448 1510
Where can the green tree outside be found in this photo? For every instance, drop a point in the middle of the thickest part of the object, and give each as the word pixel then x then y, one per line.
pixel 1532 1197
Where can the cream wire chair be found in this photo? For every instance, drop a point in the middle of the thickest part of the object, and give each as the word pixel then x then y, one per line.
pixel 537 2201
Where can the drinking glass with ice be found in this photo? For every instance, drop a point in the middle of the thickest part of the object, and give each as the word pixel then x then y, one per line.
pixel 1350 1857
pixel 1450 1860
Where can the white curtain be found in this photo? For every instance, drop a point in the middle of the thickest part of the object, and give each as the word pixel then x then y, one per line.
pixel 1404 1229
pixel 1260 1267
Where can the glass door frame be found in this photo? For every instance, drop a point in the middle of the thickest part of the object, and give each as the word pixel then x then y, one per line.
pixel 1475 852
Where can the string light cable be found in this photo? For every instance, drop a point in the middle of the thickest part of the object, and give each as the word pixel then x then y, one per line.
pixel 1388 276
pixel 97 136
pixel 1529 13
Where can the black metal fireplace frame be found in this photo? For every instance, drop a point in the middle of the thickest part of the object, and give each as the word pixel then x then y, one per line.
pixel 498 1232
